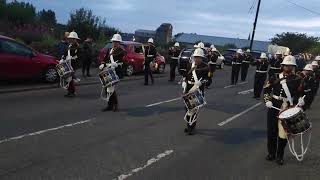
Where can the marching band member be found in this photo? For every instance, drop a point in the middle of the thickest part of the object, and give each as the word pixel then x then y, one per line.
pixel 212 56
pixel 307 82
pixel 275 64
pixel 317 73
pixel 150 55
pixel 281 91
pixel 245 64
pixel 196 72
pixel 174 53
pixel 72 55
pixel 261 74
pixel 114 55
pixel 236 65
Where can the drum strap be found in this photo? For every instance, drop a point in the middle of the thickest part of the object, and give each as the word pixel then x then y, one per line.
pixel 111 57
pixel 194 74
pixel 286 89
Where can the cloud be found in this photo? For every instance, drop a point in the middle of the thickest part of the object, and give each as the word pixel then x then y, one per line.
pixel 306 23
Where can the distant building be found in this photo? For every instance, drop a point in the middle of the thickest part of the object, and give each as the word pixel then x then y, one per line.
pixel 162 35
pixel 190 39
pixel 142 35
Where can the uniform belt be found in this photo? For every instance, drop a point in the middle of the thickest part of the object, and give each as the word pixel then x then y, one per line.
pixel 279 98
pixel 275 68
pixel 236 63
pixel 175 58
pixel 212 63
pixel 190 82
pixel 246 61
pixel 261 71
pixel 307 90
pixel 150 55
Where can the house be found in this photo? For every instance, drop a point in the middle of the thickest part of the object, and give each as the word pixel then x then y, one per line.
pixel 162 35
pixel 189 39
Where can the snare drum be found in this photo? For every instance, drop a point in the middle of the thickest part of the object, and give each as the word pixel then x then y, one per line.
pixel 64 69
pixel 108 77
pixel 294 121
pixel 194 100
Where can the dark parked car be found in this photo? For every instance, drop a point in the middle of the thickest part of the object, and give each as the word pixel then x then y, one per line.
pixel 18 61
pixel 184 60
pixel 228 55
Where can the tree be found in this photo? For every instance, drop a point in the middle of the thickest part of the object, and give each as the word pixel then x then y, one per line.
pixel 3 5
pixel 20 12
pixel 297 42
pixel 47 17
pixel 85 23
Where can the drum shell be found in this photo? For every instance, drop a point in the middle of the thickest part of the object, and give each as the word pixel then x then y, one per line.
pixel 297 124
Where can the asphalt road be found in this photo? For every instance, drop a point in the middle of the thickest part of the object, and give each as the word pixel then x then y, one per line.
pixel 45 136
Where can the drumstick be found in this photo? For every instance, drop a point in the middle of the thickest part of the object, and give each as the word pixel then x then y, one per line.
pixel 276 108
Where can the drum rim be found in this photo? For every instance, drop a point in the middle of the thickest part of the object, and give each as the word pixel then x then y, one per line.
pixel 301 110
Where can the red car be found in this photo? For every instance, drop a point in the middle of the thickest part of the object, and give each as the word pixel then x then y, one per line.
pixel 18 61
pixel 134 58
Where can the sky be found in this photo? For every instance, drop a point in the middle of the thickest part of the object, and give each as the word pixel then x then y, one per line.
pixel 227 18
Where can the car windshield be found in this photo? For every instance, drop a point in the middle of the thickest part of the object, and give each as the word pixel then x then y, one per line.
pixel 186 54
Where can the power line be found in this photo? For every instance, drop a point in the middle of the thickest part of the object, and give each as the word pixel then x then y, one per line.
pixel 310 10
pixel 252 7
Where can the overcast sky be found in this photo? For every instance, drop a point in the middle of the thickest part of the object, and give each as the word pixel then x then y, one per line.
pixel 228 18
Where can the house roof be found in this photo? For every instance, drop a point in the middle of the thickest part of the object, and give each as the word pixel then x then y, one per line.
pixel 221 41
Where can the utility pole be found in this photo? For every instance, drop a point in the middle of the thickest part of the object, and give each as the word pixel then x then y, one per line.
pixel 255 24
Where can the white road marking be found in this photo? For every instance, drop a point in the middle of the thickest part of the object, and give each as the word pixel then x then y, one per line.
pixel 243 83
pixel 246 92
pixel 229 86
pixel 238 115
pixel 149 162
pixel 45 131
pixel 162 102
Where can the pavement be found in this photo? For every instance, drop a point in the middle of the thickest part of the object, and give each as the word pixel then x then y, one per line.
pixel 30 85
pixel 45 136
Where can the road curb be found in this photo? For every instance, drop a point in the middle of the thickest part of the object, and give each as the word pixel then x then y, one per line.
pixel 55 86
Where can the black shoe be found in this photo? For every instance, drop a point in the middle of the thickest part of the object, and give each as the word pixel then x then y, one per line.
pixel 70 95
pixel 270 158
pixel 146 84
pixel 106 109
pixel 185 130
pixel 280 162
pixel 89 75
pixel 170 80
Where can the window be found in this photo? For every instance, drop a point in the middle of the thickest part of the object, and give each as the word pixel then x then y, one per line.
pixel 10 47
pixel 138 49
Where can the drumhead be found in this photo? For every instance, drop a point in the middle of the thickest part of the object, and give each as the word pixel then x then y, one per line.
pixel 289 113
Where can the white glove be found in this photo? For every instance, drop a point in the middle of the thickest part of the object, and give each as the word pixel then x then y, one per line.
pixel 269 104
pixel 301 102
pixel 101 66
pixel 61 61
pixel 184 85
pixel 114 65
pixel 198 83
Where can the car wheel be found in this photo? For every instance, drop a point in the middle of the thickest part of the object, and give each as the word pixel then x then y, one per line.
pixel 222 65
pixel 129 70
pixel 51 75
pixel 162 68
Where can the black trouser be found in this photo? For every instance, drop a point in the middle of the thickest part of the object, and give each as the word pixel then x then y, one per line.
pixel 308 100
pixel 273 72
pixel 276 145
pixel 147 73
pixel 259 81
pixel 86 67
pixel 244 71
pixel 113 100
pixel 173 66
pixel 235 73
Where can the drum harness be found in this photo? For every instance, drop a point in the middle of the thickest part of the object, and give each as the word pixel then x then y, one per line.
pixel 291 140
pixel 193 114
pixel 65 81
pixel 110 90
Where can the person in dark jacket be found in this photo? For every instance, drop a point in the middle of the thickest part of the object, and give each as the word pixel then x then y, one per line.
pixel 245 64
pixel 275 64
pixel 212 56
pixel 114 56
pixel 150 55
pixel 261 74
pixel 86 57
pixel 174 53
pixel 307 77
pixel 236 66
pixel 63 45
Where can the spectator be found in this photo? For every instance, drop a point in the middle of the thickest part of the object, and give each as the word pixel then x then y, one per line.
pixel 63 45
pixel 86 57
